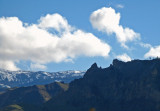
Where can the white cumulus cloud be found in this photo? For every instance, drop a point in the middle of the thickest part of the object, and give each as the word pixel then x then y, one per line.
pixel 107 20
pixel 55 21
pixel 9 65
pixel 124 57
pixel 39 44
pixel 153 52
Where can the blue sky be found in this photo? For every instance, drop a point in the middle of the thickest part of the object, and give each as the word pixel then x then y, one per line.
pixel 139 16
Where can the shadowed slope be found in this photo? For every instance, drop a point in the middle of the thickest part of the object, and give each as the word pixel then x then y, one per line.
pixel 35 95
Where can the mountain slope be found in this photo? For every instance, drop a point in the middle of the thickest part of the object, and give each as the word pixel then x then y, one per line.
pixel 131 86
pixel 33 95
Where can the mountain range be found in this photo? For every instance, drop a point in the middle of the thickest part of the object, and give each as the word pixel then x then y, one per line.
pixel 10 79
pixel 123 86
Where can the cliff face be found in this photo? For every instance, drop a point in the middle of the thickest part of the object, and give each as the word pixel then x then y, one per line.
pixel 130 86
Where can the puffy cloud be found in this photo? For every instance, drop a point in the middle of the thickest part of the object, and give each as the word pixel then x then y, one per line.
pixel 124 57
pixel 107 20
pixel 39 44
pixel 54 21
pixel 9 65
pixel 153 52
pixel 37 66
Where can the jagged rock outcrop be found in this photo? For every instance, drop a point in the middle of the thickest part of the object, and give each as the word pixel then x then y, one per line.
pixel 124 86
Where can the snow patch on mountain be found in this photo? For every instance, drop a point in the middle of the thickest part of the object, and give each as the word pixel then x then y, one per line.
pixel 27 78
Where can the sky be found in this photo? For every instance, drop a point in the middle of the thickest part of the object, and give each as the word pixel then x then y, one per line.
pixel 59 35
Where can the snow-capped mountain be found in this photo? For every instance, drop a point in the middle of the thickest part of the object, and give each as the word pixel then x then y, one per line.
pixel 27 78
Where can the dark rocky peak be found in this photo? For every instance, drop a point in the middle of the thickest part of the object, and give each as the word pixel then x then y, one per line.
pixel 134 66
pixel 92 69
pixel 117 62
pixel 94 66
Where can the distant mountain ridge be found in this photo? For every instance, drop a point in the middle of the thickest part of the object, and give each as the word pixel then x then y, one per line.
pixel 10 79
